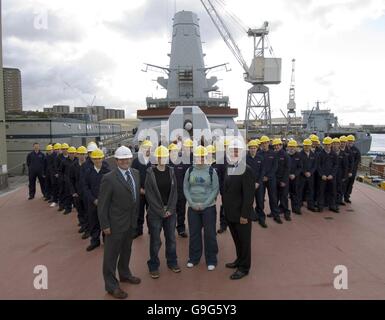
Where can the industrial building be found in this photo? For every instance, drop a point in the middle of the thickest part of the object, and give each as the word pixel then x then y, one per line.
pixel 22 133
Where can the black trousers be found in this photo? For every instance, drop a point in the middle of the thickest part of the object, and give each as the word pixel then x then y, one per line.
pixel 67 197
pixel 259 204
pixel 61 191
pixel 181 213
pixel 222 218
pixel 32 183
pixel 55 188
pixel 48 187
pixel 349 186
pixel 283 199
pixel 82 212
pixel 340 189
pixel 306 191
pixel 117 252
pixel 241 234
pixel 294 194
pixel 271 187
pixel 317 179
pixel 143 205
pixel 327 194
pixel 93 223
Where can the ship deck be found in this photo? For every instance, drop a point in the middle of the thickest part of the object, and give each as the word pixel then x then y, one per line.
pixel 290 261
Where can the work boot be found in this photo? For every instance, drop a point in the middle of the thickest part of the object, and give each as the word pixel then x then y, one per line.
pixel 262 224
pixel 92 246
pixel 278 220
pixel 118 294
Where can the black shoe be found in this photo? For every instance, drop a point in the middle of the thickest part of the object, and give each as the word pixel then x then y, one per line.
pixel 297 211
pixel 67 211
pixel 119 294
pixel 342 203
pixel 82 229
pixel 336 210
pixel 287 218
pixel 270 215
pixel 231 265
pixel 312 209
pixel 79 224
pixel 278 220
pixel 238 275
pixel 93 246
pixel 85 235
pixel 30 197
pixel 262 224
pixel 183 234
pixel 221 230
pixel 347 201
pixel 60 209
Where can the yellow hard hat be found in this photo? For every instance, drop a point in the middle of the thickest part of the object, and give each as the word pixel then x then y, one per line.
pixel 57 146
pixel 188 143
pixel 307 142
pixel 336 140
pixel 64 146
pixel 173 147
pixel 147 144
pixel 81 150
pixel 314 138
pixel 351 138
pixel 277 142
pixel 71 150
pixel 327 141
pixel 200 151
pixel 343 139
pixel 211 149
pixel 161 152
pixel 264 139
pixel 49 147
pixel 97 154
pixel 292 143
pixel 253 143
pixel 226 142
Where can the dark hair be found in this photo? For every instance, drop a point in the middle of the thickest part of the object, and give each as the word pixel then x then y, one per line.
pixel 35 143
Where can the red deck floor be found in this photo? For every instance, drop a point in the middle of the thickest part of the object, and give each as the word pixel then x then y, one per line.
pixel 290 261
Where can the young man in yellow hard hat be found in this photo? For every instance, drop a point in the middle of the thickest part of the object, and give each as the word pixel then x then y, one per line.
pixel 47 176
pixel 342 171
pixel 92 180
pixel 327 169
pixel 306 181
pixel 355 155
pixel 270 166
pixel 77 190
pixel 295 171
pixel 66 167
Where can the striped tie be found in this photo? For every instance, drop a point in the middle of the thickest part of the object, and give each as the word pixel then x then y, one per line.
pixel 131 183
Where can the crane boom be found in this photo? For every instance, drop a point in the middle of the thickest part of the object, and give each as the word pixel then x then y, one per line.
pixel 225 33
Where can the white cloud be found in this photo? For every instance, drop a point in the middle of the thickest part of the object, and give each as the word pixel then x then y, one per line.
pixel 101 48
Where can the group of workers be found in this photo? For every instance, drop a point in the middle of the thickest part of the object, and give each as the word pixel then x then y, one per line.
pixel 160 182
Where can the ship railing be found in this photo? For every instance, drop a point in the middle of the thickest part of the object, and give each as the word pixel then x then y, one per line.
pixel 370 171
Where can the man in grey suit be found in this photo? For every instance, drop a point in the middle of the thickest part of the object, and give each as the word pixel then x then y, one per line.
pixel 118 215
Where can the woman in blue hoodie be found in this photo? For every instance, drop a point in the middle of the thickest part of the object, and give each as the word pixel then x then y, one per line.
pixel 201 188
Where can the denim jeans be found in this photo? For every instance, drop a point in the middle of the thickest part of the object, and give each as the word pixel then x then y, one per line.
pixel 197 220
pixel 156 224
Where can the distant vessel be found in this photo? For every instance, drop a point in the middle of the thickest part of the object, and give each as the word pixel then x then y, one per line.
pixel 323 122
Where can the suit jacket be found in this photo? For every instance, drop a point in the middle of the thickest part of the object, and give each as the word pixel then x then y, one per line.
pixel 238 196
pixel 117 207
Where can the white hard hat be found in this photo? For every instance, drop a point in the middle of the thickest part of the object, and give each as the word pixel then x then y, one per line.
pixel 123 153
pixel 236 144
pixel 92 146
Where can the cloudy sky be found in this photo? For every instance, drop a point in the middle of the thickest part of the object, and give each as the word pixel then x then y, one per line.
pixel 70 51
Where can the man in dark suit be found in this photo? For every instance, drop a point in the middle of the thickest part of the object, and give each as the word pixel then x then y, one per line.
pixel 118 205
pixel 238 198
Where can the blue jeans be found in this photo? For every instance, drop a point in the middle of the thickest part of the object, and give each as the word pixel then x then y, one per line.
pixel 155 225
pixel 197 220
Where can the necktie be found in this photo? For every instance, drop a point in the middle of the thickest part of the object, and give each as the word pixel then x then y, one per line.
pixel 131 183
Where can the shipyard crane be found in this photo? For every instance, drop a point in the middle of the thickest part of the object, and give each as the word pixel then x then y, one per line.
pixel 291 106
pixel 262 70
